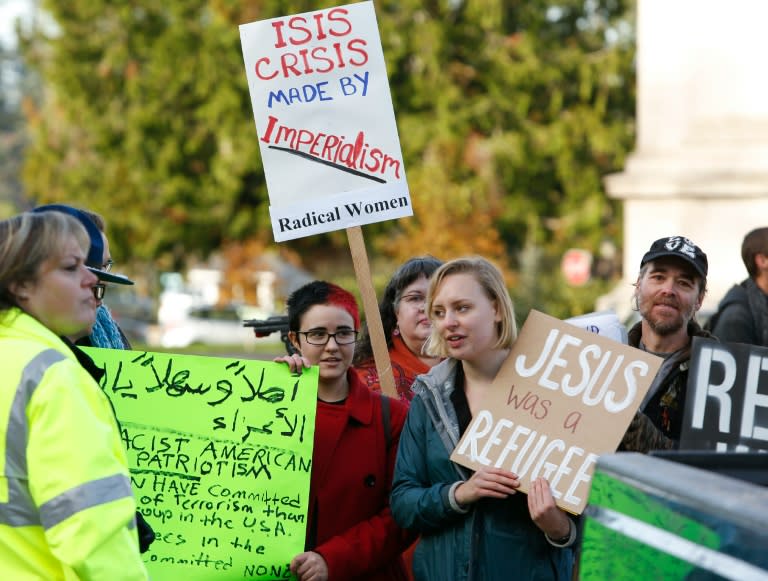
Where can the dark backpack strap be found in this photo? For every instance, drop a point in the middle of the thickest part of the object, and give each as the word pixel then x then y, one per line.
pixel 385 420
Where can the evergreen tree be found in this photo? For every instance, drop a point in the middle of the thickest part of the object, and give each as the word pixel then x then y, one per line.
pixel 509 114
pixel 12 139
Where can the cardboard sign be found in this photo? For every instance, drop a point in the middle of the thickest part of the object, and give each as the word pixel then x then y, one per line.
pixel 563 397
pixel 220 453
pixel 325 121
pixel 727 400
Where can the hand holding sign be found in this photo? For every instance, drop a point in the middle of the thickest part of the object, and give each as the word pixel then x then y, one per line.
pixel 562 397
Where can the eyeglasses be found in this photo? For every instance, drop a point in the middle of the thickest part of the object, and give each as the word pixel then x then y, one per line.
pixel 99 290
pixel 342 336
pixel 107 266
pixel 414 300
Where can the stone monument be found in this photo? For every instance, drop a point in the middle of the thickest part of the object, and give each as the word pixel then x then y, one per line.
pixel 700 165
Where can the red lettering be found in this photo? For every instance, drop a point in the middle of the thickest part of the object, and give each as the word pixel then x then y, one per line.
pixel 352 46
pixel 341 19
pixel 265 61
pixel 289 60
pixel 295 24
pixel 319 25
pixel 270 126
pixel 317 55
pixel 307 69
pixel 337 47
pixel 278 26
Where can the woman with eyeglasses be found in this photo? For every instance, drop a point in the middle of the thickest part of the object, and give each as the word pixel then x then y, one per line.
pixel 406 328
pixel 351 534
pixel 66 505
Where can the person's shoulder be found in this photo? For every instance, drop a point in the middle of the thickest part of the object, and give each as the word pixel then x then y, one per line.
pixel 368 365
pixel 733 314
pixel 397 407
pixel 437 375
pixel 696 330
pixel 736 295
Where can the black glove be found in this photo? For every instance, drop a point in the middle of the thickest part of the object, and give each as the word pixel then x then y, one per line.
pixel 146 534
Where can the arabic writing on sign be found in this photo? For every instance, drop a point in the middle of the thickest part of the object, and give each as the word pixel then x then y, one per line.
pixel 220 452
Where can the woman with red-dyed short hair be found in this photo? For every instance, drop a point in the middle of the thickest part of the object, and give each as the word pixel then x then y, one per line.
pixel 351 534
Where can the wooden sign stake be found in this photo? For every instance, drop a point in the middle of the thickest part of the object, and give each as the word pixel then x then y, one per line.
pixel 371 308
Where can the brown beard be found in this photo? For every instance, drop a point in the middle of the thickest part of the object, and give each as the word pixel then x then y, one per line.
pixel 666 327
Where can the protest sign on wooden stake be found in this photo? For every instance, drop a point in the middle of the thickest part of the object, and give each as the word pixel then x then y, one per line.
pixel 327 135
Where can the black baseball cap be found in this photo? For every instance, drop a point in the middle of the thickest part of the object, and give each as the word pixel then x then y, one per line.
pixel 96 251
pixel 679 247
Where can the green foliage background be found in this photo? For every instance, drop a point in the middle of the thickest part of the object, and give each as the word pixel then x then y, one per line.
pixel 509 114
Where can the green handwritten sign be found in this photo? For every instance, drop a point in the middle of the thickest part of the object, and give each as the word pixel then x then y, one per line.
pixel 220 452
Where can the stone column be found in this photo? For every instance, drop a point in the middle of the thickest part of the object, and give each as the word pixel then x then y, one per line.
pixel 700 167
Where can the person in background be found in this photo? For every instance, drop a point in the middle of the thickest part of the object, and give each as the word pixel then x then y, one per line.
pixel 105 332
pixel 473 525
pixel 67 510
pixel 670 288
pixel 351 535
pixel 742 315
pixel 406 328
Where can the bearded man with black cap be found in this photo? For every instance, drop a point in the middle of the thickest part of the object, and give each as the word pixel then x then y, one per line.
pixel 668 293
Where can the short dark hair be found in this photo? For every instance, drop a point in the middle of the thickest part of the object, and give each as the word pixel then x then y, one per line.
pixel 756 242
pixel 406 274
pixel 319 292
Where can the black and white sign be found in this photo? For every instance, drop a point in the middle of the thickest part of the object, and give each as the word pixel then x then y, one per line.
pixel 727 401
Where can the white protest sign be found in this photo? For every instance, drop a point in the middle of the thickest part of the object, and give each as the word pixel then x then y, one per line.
pixel 604 323
pixel 563 397
pixel 325 121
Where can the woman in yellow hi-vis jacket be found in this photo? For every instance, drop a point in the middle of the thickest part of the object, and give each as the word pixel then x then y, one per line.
pixel 66 506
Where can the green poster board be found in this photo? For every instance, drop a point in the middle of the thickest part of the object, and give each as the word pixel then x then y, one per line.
pixel 220 452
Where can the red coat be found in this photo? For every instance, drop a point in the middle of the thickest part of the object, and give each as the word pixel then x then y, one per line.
pixel 405 367
pixel 349 522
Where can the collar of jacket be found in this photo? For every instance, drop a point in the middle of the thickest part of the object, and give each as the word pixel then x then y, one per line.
pixel 85 360
pixel 360 399
pixel 17 323
pixel 694 330
pixel 435 389
pixel 437 379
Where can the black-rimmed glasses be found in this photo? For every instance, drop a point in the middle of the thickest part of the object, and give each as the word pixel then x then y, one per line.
pixel 342 336
pixel 99 290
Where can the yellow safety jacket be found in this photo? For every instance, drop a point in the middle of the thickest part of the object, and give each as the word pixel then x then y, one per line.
pixel 67 510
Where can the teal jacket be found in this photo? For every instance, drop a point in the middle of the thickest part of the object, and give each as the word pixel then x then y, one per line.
pixel 496 540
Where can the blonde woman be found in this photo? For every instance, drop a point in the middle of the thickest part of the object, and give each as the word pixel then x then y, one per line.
pixel 473 525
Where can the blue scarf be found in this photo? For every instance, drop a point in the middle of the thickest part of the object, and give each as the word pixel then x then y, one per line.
pixel 105 332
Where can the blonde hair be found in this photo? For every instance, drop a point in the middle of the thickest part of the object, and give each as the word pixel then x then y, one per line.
pixel 28 240
pixel 492 282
